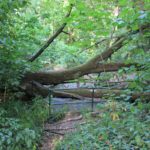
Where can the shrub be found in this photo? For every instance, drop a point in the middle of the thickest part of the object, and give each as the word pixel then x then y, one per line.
pixel 21 124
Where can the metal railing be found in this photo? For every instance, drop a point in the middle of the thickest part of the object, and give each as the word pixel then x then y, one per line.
pixel 91 100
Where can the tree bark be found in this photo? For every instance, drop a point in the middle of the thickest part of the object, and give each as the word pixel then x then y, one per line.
pixel 57 77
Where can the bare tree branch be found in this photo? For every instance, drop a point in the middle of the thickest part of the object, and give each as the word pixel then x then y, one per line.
pixel 118 43
pixel 66 32
pixel 109 51
pixel 51 39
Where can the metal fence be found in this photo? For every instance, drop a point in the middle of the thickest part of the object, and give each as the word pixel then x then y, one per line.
pixel 90 102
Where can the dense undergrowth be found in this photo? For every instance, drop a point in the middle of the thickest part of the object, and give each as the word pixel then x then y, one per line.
pixel 120 126
pixel 21 124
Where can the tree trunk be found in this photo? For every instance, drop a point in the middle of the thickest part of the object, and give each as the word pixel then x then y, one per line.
pixel 80 93
pixel 57 77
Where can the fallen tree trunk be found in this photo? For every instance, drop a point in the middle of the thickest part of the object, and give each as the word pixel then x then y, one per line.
pixel 91 66
pixel 80 93
pixel 56 77
pixel 94 65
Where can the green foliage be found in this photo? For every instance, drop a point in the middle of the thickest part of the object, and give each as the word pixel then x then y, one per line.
pixel 21 124
pixel 119 126
pixel 26 25
pixel 57 115
pixel 12 67
pixel 9 6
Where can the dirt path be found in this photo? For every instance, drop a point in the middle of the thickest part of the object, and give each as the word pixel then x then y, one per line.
pixel 56 131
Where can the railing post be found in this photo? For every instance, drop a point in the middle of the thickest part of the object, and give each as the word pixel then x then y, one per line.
pixel 50 99
pixel 92 99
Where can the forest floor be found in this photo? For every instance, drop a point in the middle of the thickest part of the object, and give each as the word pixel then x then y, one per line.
pixel 54 132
